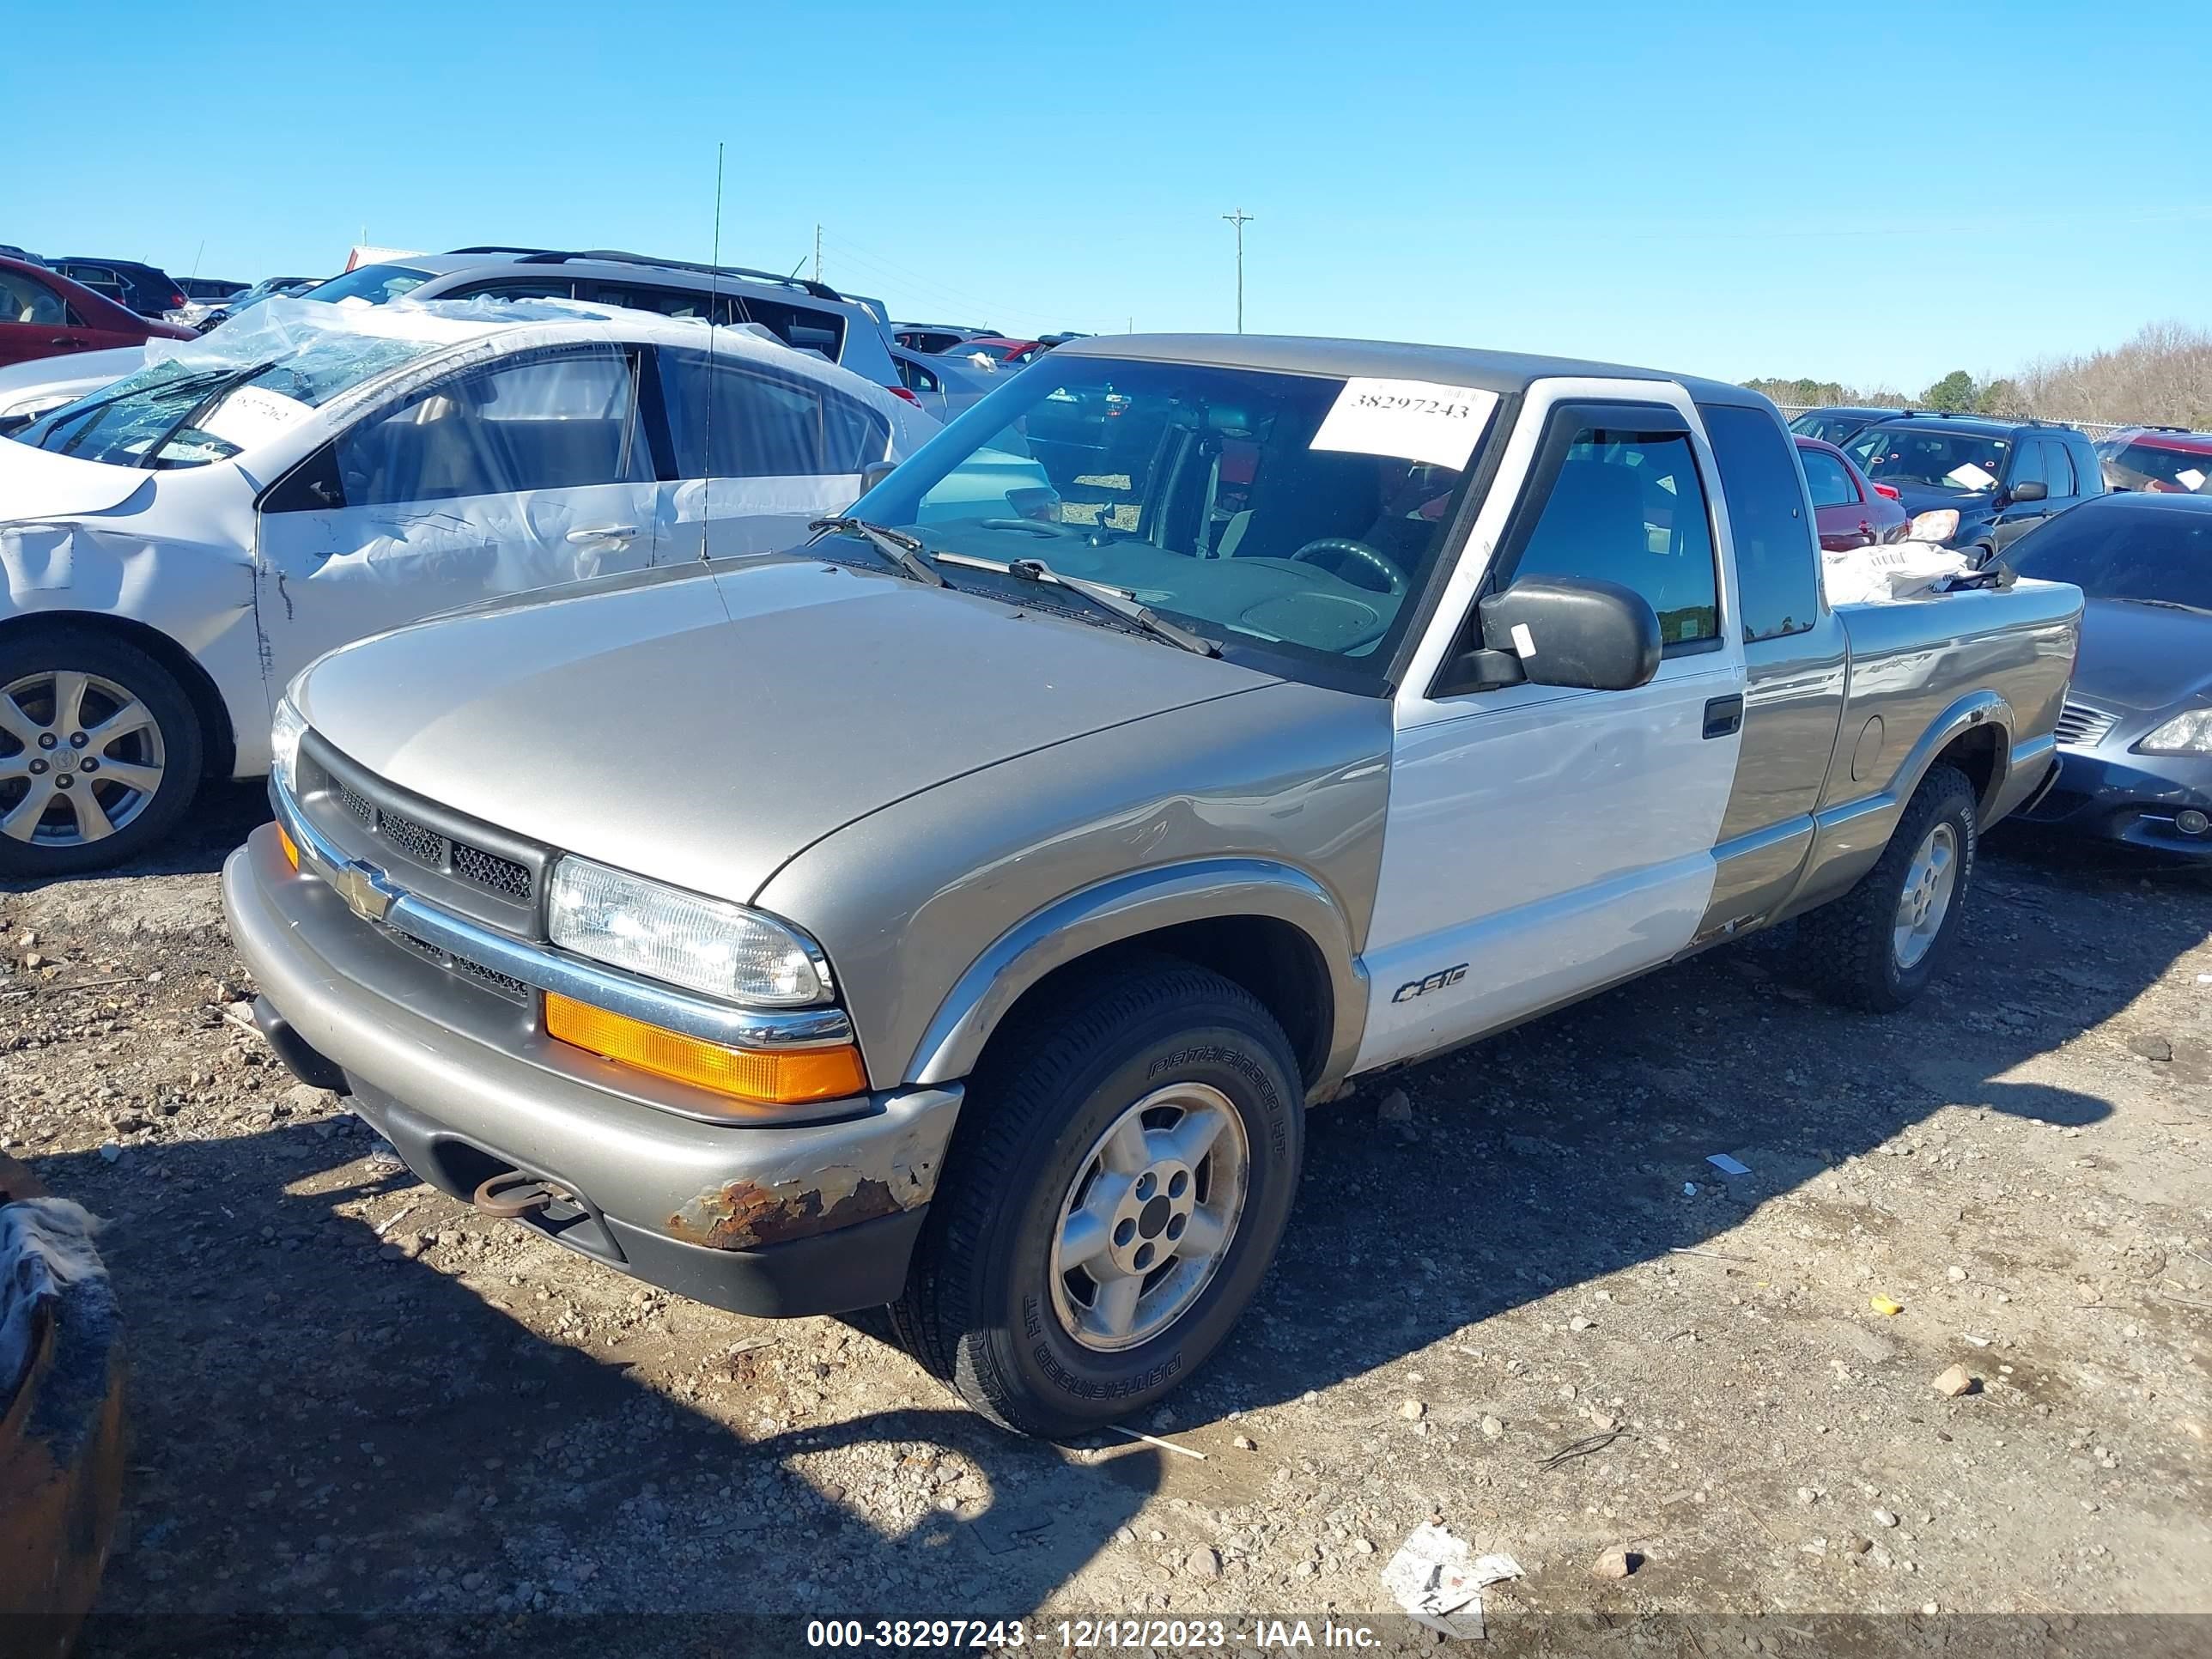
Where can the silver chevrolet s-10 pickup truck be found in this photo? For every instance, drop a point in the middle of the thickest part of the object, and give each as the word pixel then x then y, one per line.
pixel 961 911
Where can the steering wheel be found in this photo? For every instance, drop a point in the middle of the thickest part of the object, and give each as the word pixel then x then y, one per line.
pixel 1393 581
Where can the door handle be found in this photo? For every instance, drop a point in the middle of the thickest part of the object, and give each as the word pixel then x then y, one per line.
pixel 67 343
pixel 602 532
pixel 1723 716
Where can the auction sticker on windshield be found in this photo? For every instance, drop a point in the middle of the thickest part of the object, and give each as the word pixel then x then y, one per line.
pixel 251 414
pixel 1414 420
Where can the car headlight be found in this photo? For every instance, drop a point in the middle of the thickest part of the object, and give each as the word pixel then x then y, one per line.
pixel 2186 733
pixel 284 734
pixel 1938 525
pixel 663 932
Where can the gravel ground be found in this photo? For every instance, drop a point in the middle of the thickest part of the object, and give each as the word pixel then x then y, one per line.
pixel 1516 1296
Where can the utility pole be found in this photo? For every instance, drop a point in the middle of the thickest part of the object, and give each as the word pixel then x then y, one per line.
pixel 1240 219
pixel 817 253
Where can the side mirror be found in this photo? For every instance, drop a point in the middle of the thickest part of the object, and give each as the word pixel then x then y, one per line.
pixel 1562 630
pixel 874 473
pixel 2031 490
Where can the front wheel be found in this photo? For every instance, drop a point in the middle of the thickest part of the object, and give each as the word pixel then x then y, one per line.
pixel 1119 1180
pixel 100 752
pixel 1877 947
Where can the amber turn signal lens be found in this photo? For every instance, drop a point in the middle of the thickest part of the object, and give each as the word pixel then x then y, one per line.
pixel 771 1076
pixel 291 852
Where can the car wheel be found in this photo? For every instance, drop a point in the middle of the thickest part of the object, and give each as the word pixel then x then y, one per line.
pixel 100 752
pixel 1877 947
pixel 1118 1183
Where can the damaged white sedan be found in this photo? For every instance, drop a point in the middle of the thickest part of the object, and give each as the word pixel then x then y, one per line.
pixel 176 545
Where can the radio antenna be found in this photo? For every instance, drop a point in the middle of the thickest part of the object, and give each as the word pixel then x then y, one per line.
pixel 707 380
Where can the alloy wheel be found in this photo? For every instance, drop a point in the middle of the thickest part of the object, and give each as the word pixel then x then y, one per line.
pixel 80 757
pixel 1149 1217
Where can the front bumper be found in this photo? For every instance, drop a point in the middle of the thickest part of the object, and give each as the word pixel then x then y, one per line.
pixel 2121 799
pixel 763 1219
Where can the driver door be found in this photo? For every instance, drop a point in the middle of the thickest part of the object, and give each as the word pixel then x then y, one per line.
pixel 505 476
pixel 1544 841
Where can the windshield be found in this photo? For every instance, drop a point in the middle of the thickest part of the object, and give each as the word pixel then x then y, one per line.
pixel 2118 551
pixel 374 283
pixel 1963 463
pixel 189 412
pixel 2150 465
pixel 1261 510
pixel 1830 428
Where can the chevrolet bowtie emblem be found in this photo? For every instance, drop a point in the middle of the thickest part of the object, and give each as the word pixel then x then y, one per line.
pixel 364 888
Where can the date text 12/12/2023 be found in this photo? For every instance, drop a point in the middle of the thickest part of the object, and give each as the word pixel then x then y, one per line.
pixel 1091 1635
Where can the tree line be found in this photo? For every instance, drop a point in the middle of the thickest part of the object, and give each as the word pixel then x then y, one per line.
pixel 2161 377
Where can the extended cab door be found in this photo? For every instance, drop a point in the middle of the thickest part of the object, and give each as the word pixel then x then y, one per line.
pixel 1542 842
pixel 498 478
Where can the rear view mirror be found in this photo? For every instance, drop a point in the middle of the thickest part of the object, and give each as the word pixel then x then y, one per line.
pixel 1561 631
pixel 2033 489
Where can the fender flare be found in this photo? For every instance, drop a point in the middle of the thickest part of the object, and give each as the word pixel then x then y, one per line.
pixel 1123 908
pixel 1976 711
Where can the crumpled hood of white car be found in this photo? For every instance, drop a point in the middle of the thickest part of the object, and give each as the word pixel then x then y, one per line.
pixel 702 725
pixel 37 487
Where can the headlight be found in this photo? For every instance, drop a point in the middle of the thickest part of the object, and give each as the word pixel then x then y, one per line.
pixel 284 734
pixel 1939 526
pixel 2189 733
pixel 665 934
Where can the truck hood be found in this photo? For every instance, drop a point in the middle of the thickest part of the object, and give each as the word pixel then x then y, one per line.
pixel 37 485
pixel 702 725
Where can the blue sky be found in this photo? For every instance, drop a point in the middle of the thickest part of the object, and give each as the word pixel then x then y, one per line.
pixel 1725 188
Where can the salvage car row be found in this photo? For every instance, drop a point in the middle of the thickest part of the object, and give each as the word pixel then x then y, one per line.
pixel 957 909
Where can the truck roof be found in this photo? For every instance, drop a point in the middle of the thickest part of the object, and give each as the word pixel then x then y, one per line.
pixel 1500 371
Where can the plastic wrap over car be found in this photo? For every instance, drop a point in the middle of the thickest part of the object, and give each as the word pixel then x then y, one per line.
pixel 369 466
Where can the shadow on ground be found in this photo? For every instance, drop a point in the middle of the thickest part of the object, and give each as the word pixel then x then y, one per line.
pixel 381 1446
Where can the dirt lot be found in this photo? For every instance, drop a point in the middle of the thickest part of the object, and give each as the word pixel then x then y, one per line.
pixel 354 1397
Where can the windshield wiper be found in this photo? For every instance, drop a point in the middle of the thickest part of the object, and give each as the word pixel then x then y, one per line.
pixel 1099 594
pixel 226 382
pixel 903 552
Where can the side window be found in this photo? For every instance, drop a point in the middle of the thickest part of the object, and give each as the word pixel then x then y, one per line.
pixel 23 300
pixel 2026 467
pixel 800 327
pixel 730 420
pixel 913 376
pixel 538 287
pixel 562 423
pixel 667 301
pixel 2088 473
pixel 1832 485
pixel 1627 506
pixel 2058 468
pixel 1777 559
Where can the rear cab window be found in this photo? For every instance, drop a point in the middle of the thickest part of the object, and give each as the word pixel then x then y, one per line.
pixel 1776 554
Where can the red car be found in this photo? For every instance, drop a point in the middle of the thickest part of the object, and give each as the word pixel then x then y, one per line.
pixel 1013 353
pixel 1851 510
pixel 43 314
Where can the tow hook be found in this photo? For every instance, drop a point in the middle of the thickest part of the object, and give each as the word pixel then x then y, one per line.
pixel 514 1194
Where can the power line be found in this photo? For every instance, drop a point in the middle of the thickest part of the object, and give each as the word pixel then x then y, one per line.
pixel 937 290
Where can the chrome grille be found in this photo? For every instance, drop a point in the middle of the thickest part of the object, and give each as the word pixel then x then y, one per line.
pixel 418 843
pixel 2080 726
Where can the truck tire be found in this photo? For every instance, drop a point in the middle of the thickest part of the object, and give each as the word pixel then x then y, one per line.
pixel 1154 1111
pixel 1877 946
pixel 100 752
